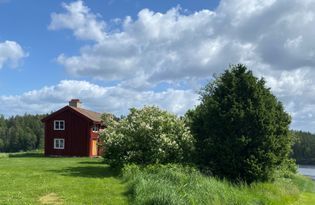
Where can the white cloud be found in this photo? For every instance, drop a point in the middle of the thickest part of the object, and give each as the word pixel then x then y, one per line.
pixel 11 54
pixel 85 25
pixel 156 46
pixel 296 89
pixel 171 46
pixel 113 99
pixel 275 38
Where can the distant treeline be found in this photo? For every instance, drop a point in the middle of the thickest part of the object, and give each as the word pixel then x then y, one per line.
pixel 21 133
pixel 304 147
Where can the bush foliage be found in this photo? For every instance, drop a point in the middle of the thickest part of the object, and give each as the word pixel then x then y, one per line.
pixel 241 129
pixel 146 136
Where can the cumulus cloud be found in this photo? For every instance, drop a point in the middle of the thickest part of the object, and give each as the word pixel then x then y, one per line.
pixel 275 38
pixel 113 99
pixel 296 89
pixel 157 47
pixel 11 54
pixel 85 25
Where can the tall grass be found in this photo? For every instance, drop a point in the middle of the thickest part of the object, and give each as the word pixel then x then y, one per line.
pixel 176 184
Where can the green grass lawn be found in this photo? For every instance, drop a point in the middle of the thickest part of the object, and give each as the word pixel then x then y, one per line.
pixel 33 179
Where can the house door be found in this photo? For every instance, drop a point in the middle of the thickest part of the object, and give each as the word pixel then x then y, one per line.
pixel 94 147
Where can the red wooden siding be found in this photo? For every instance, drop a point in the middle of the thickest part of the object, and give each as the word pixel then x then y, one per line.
pixel 78 134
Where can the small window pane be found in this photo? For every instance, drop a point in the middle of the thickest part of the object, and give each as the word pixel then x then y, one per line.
pixel 61 145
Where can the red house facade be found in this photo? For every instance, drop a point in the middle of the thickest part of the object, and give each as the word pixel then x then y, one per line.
pixel 72 131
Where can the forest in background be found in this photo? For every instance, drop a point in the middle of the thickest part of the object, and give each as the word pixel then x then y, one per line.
pixel 304 148
pixel 21 133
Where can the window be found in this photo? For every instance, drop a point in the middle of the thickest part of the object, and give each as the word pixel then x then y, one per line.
pixel 59 124
pixel 59 143
pixel 95 128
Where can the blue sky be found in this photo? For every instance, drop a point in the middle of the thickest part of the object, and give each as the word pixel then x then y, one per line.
pixel 114 55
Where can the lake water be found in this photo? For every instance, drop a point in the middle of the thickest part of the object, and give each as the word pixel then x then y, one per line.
pixel 307 170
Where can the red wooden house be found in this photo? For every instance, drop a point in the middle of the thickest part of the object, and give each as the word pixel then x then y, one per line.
pixel 72 131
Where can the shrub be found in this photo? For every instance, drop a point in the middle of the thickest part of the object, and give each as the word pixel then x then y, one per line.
pixel 148 135
pixel 241 129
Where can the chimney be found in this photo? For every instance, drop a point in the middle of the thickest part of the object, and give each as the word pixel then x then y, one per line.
pixel 75 103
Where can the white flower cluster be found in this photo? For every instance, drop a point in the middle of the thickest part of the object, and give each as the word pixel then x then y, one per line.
pixel 147 135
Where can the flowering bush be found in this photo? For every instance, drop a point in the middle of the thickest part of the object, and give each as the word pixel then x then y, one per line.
pixel 146 136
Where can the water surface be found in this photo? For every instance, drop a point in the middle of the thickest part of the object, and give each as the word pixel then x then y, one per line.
pixel 307 170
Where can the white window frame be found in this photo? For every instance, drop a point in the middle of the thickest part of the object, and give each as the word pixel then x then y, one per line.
pixel 57 122
pixel 57 142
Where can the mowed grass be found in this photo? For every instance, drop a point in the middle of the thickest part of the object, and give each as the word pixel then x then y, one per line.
pixel 30 178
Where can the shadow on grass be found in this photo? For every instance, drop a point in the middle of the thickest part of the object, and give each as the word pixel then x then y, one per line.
pixel 26 154
pixel 92 162
pixel 101 171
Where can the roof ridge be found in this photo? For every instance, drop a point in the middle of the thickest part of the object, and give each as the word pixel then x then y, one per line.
pixel 85 109
pixel 95 116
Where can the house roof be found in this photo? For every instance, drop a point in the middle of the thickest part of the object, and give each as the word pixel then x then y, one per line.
pixel 93 116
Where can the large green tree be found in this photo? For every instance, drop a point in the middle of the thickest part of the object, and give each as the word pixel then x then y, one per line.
pixel 241 129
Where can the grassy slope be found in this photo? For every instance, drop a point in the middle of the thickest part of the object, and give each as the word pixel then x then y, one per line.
pixel 175 185
pixel 32 179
